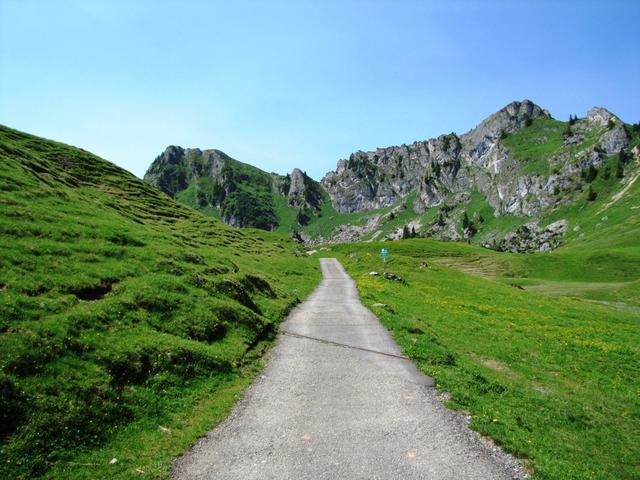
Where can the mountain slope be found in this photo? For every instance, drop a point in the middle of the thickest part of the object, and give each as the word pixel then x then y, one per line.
pixel 517 166
pixel 500 185
pixel 122 310
pixel 238 193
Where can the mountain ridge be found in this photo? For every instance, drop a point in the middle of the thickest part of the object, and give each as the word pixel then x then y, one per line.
pixel 520 160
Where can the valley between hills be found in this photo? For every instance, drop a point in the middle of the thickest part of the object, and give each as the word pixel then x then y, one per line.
pixel 134 313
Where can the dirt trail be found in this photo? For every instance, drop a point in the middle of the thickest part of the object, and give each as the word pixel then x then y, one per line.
pixel 620 194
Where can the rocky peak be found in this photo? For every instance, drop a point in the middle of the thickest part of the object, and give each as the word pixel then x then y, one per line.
pixel 174 168
pixel 296 187
pixel 172 155
pixel 432 168
pixel 508 119
pixel 600 116
pixel 303 193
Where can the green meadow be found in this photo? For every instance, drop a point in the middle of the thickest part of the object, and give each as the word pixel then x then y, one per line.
pixel 552 376
pixel 129 323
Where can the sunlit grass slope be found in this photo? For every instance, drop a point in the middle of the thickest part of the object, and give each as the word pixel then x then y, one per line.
pixel 554 380
pixel 128 323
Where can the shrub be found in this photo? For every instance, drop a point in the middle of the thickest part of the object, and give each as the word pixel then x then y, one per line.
pixel 303 217
pixel 465 220
pixel 623 157
pixel 591 174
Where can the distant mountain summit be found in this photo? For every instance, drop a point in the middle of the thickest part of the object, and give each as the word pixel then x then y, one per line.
pixel 516 168
pixel 240 194
pixel 433 168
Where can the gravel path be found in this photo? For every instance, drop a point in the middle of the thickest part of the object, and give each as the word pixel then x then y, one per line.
pixel 324 411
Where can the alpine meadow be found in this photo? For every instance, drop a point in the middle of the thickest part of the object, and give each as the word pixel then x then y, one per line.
pixel 299 240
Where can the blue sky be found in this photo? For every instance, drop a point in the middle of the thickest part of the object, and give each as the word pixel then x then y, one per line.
pixel 301 84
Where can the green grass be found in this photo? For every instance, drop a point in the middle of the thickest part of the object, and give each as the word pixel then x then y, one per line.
pixel 493 225
pixel 553 380
pixel 534 145
pixel 287 220
pixel 242 195
pixel 402 217
pixel 121 312
pixel 246 195
pixel 129 323
pixel 328 219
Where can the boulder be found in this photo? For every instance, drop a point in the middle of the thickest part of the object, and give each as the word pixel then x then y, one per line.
pixel 533 238
pixel 393 277
pixel 615 139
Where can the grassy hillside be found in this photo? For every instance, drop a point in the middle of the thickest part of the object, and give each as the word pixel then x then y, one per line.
pixel 237 193
pixel 552 379
pixel 129 323
pixel 545 149
pixel 247 195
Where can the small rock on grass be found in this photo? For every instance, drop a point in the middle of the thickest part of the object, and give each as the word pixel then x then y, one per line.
pixel 393 277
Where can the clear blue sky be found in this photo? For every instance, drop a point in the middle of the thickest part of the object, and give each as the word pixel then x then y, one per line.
pixel 284 84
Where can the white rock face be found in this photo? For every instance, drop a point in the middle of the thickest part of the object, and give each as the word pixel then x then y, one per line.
pixel 533 238
pixel 599 116
pixel 297 183
pixel 478 160
pixel 615 139
pixel 434 168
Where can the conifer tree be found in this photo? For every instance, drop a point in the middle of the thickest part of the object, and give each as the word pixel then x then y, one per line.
pixel 465 221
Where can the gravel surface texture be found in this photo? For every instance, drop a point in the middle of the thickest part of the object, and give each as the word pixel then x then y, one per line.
pixel 325 411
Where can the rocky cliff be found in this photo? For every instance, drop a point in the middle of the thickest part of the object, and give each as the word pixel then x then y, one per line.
pixel 438 167
pixel 521 160
pixel 494 185
pixel 240 194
